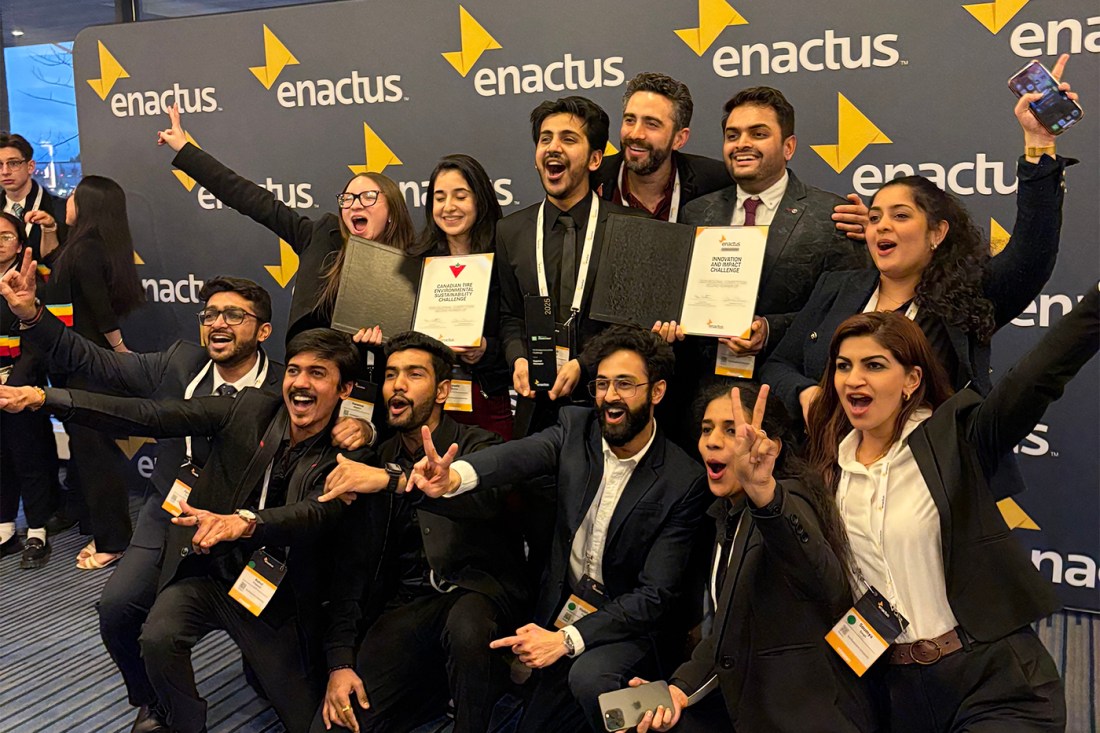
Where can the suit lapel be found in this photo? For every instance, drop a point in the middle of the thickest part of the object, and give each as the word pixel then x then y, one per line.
pixel 593 476
pixel 921 446
pixel 746 542
pixel 265 452
pixel 720 214
pixel 641 481
pixel 783 225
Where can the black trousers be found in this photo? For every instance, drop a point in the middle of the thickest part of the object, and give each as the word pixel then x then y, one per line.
pixel 1007 686
pixel 709 715
pixel 28 467
pixel 566 694
pixel 129 595
pixel 189 609
pixel 421 653
pixel 101 469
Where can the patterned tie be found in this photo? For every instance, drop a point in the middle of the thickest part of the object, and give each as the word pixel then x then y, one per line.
pixel 751 205
pixel 18 210
pixel 226 390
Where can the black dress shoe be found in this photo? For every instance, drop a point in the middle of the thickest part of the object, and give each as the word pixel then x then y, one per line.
pixel 36 554
pixel 12 546
pixel 148 721
pixel 60 522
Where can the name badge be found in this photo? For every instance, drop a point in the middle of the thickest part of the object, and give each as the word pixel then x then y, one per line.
pixel 729 364
pixel 258 582
pixel 360 403
pixel 866 631
pixel 587 599
pixel 181 488
pixel 461 398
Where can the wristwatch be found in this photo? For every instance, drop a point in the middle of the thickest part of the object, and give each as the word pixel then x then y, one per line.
pixel 395 473
pixel 248 515
pixel 570 648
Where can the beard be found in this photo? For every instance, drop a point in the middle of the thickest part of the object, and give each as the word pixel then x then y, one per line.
pixel 633 424
pixel 651 164
pixel 240 351
pixel 412 418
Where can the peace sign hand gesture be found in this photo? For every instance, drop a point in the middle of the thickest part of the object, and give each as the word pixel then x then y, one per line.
pixel 433 474
pixel 174 137
pixel 754 453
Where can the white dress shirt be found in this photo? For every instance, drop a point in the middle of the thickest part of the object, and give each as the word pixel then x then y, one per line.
pixel 248 380
pixel 894 530
pixel 769 203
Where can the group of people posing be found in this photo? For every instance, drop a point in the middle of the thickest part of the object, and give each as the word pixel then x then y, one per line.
pixel 643 519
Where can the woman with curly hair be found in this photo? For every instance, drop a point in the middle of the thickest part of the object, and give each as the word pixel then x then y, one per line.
pixel 934 266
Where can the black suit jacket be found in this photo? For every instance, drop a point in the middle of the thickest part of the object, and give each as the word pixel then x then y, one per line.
pixel 698 176
pixel 652 531
pixel 783 591
pixel 313 240
pixel 803 242
pixel 992 586
pixel 468 541
pixel 52 205
pixel 518 273
pixel 246 434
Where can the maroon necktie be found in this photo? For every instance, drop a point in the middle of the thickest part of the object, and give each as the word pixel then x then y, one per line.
pixel 750 211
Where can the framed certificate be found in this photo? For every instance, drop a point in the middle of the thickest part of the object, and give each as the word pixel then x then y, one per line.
pixel 454 294
pixel 706 278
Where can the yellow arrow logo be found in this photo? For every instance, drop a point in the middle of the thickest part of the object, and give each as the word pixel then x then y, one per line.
pixel 1014 516
pixel 854 133
pixel 475 41
pixel 714 17
pixel 276 58
pixel 378 154
pixel 998 237
pixel 110 71
pixel 610 149
pixel 187 181
pixel 995 15
pixel 287 267
pixel 137 259
pixel 131 445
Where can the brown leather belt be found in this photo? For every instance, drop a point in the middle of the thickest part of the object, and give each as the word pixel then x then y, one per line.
pixel 926 651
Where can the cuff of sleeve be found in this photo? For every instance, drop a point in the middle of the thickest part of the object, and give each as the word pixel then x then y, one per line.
pixel 341 656
pixel 58 401
pixel 575 637
pixel 467 476
pixel 1045 166
pixel 773 508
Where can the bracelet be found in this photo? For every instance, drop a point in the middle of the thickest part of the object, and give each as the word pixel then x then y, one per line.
pixel 37 316
pixel 339 667
pixel 49 229
pixel 1037 151
pixel 42 395
pixel 115 346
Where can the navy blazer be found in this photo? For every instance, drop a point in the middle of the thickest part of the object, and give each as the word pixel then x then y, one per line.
pixel 652 531
pixel 1014 278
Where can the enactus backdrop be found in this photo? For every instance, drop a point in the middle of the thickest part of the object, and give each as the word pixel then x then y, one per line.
pixel 298 99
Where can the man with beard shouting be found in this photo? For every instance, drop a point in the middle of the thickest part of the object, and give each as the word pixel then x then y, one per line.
pixel 447 575
pixel 628 505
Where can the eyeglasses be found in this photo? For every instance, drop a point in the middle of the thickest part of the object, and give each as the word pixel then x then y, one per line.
pixel 10 165
pixel 232 316
pixel 626 388
pixel 8 237
pixel 365 198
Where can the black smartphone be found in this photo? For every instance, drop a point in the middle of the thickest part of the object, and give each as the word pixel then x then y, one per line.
pixel 1055 111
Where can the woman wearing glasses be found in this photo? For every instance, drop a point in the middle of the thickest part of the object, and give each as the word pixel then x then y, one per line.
pixel 371 206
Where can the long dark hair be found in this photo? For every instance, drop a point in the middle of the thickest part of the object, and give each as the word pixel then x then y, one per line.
pixel 828 423
pixel 398 233
pixel 951 285
pixel 101 222
pixel 789 465
pixel 432 239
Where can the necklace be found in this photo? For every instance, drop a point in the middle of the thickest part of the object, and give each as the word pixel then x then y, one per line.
pixel 883 296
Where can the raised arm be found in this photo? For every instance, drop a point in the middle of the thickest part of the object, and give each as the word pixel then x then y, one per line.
pixel 136 416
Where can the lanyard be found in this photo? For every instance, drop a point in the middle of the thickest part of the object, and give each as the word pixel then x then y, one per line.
pixel 267 482
pixel 586 253
pixel 188 393
pixel 674 206
pixel 872 305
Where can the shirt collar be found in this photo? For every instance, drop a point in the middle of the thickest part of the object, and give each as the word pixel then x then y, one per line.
pixel 637 457
pixel 248 380
pixel 770 196
pixel 627 198
pixel 579 212
pixel 846 452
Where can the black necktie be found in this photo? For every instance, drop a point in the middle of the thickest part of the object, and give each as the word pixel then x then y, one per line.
pixel 226 390
pixel 568 264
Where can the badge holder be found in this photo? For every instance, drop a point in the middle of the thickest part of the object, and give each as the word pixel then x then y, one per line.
pixel 729 364
pixel 461 398
pixel 186 478
pixel 258 582
pixel 866 631
pixel 360 403
pixel 586 599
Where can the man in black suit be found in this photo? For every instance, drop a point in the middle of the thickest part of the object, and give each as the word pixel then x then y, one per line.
pixel 267 464
pixel 453 572
pixel 629 505
pixel 27 199
pixel 649 173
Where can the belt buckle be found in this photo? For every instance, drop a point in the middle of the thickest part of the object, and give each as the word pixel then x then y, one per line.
pixel 924 644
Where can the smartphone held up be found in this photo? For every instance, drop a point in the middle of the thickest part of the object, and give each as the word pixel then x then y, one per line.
pixel 1055 110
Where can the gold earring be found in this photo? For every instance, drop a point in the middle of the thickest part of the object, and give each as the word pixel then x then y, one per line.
pixel 905 396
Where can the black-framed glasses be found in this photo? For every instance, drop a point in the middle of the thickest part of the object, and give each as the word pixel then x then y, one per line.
pixel 10 165
pixel 365 198
pixel 625 388
pixel 231 316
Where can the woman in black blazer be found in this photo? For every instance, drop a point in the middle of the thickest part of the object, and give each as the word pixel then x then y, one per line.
pixel 371 206
pixel 933 264
pixel 911 465
pixel 776 585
